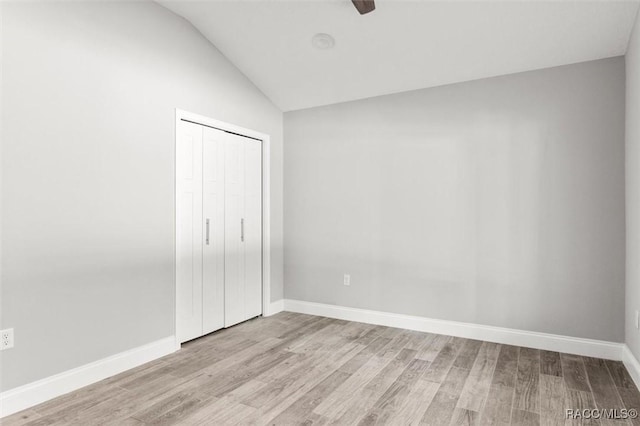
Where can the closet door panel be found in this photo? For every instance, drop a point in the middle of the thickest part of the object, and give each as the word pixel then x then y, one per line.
pixel 213 164
pixel 253 228
pixel 234 248
pixel 189 231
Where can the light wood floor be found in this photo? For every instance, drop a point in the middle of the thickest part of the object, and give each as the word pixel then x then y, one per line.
pixel 301 369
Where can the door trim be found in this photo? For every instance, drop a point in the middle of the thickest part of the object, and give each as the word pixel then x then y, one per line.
pixel 266 201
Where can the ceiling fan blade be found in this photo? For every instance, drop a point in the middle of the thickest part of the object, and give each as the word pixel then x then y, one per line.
pixel 364 6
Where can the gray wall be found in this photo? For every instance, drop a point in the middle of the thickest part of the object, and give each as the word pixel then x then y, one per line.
pixel 89 91
pixel 633 189
pixel 498 201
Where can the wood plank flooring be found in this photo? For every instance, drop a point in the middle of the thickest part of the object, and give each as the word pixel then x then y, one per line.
pixel 301 369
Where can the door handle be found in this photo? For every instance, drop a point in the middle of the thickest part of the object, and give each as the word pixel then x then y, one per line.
pixel 207 235
pixel 242 230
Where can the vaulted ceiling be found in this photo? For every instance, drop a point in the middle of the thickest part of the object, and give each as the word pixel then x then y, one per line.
pixel 403 44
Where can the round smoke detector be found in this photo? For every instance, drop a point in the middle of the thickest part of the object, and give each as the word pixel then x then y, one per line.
pixel 323 41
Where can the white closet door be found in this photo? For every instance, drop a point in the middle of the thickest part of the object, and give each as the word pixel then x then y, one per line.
pixel 234 217
pixel 253 228
pixel 243 229
pixel 188 231
pixel 213 216
pixel 218 229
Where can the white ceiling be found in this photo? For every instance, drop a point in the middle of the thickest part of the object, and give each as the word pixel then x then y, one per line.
pixel 402 45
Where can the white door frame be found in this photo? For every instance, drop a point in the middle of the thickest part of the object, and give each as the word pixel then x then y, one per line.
pixel 266 202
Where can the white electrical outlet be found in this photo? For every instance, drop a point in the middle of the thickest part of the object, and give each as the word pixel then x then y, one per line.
pixel 6 339
pixel 638 319
pixel 347 279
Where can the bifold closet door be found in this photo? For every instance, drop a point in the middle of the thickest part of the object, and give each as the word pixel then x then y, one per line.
pixel 213 201
pixel 253 228
pixel 218 229
pixel 189 231
pixel 199 230
pixel 243 229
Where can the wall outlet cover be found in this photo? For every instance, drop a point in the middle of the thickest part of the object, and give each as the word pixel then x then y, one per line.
pixel 6 339
pixel 347 279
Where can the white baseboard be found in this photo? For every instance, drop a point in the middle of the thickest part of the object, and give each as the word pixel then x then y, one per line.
pixel 531 339
pixel 632 364
pixel 274 308
pixel 31 394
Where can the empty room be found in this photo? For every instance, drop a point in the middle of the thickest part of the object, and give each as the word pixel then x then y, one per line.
pixel 319 212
